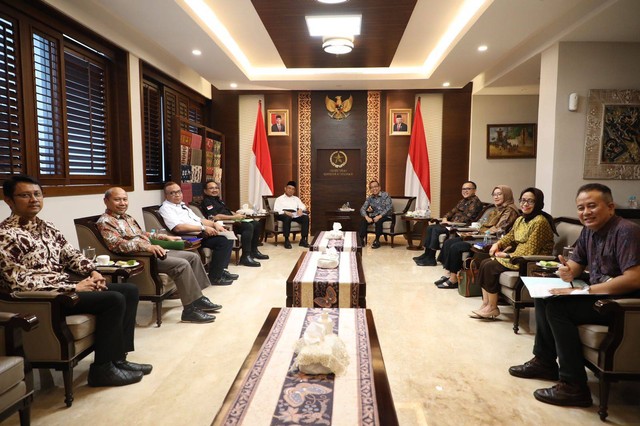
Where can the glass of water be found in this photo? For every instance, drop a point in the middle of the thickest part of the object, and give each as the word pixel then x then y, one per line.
pixel 89 253
pixel 567 252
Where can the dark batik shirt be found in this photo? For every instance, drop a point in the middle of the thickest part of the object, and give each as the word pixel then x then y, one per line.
pixel 381 205
pixel 212 206
pixel 467 210
pixel 610 251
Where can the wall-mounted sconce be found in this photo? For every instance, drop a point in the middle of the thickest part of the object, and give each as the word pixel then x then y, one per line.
pixel 573 102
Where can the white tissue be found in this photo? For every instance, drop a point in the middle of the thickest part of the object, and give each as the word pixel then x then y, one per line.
pixel 329 259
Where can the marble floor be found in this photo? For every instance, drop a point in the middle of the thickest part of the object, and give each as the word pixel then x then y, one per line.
pixel 444 368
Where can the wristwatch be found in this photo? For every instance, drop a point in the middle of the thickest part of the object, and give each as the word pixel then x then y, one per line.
pixel 202 226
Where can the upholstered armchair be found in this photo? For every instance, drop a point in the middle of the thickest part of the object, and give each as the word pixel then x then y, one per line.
pixel 60 341
pixel 513 290
pixel 227 223
pixel 612 352
pixel 273 226
pixel 152 285
pixel 16 377
pixel 396 226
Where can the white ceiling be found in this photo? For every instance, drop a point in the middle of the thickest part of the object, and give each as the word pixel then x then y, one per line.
pixel 516 31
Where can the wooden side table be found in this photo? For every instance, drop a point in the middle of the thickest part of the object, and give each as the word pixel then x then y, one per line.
pixel 411 221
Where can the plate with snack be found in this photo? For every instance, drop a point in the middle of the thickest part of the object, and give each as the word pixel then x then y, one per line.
pixel 548 264
pixel 127 263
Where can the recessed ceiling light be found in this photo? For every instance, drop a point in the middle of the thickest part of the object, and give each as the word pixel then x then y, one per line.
pixel 196 52
pixel 336 25
pixel 337 45
pixel 234 85
pixel 446 84
pixel 482 48
pixel 332 1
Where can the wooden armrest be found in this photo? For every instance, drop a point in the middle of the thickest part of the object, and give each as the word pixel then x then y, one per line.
pixel 23 321
pixel 67 299
pixel 607 306
pixel 531 258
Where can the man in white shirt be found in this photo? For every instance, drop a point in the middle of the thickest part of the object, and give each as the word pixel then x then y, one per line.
pixel 182 220
pixel 290 208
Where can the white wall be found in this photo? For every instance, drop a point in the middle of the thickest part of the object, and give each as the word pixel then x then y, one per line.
pixel 518 173
pixel 579 67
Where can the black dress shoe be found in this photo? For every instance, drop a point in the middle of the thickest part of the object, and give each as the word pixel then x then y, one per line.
pixel 441 280
pixel 303 243
pixel 108 374
pixel 248 261
pixel 421 257
pixel 426 262
pixel 566 394
pixel 133 366
pixel 535 369
pixel 287 244
pixel 228 275
pixel 257 255
pixel 221 281
pixel 447 284
pixel 205 305
pixel 375 244
pixel 191 314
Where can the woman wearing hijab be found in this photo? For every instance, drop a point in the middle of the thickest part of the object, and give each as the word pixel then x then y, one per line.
pixel 532 234
pixel 500 220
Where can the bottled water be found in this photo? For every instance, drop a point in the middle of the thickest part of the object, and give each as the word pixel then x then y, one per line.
pixel 152 234
pixel 632 202
pixel 487 238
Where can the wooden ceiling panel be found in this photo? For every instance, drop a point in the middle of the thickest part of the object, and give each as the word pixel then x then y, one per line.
pixel 383 23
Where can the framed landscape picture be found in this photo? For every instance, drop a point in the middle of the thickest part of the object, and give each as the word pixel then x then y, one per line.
pixel 278 124
pixel 511 140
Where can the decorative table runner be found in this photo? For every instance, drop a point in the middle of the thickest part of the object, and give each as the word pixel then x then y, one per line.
pixel 327 288
pixel 348 243
pixel 270 394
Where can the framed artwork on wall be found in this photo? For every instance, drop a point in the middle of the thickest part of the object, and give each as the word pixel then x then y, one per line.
pixel 511 140
pixel 611 147
pixel 278 124
pixel 400 121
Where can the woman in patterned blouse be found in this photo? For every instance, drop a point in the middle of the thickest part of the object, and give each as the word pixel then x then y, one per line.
pixel 499 221
pixel 532 234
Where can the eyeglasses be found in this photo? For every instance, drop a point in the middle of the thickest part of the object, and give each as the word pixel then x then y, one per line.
pixel 28 195
pixel 527 202
pixel 497 194
pixel 212 188
pixel 467 189
pixel 178 192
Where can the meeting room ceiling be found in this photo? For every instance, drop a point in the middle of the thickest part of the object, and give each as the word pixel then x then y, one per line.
pixel 404 44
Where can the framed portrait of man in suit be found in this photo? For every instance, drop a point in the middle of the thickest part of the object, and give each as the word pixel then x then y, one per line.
pixel 278 124
pixel 399 121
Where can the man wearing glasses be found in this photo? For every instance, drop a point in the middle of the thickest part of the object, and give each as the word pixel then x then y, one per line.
pixel 375 210
pixel 35 256
pixel 182 220
pixel 466 211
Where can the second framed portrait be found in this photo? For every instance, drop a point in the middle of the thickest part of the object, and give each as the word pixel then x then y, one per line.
pixel 278 124
pixel 400 121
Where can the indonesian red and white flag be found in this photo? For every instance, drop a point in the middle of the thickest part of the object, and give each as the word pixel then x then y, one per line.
pixel 417 182
pixel 260 174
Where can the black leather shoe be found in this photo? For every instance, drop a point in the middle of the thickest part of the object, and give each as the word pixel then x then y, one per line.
pixel 375 244
pixel 221 281
pixel 565 394
pixel 441 280
pixel 133 366
pixel 535 369
pixel 108 374
pixel 205 305
pixel 248 261
pixel 447 284
pixel 257 255
pixel 287 244
pixel 228 275
pixel 421 257
pixel 191 314
pixel 426 262
pixel 303 243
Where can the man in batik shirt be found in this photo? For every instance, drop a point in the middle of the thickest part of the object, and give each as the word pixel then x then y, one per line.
pixel 377 209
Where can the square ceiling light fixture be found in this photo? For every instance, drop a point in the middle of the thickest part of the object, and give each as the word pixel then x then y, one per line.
pixel 337 31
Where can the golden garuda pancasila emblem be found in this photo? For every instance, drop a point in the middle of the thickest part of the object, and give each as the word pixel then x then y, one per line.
pixel 338 109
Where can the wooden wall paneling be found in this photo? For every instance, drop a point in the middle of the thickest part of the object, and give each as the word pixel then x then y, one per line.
pixel 456 129
pixel 222 114
pixel 397 147
pixel 333 186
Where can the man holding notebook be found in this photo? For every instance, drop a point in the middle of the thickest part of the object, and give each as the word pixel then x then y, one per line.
pixel 609 247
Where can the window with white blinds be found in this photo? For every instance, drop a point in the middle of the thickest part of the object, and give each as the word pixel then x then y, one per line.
pixel 11 151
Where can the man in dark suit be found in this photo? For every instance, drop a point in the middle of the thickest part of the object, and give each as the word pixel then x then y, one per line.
pixel 399 126
pixel 279 127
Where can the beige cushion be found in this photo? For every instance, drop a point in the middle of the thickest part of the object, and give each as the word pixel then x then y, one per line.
pixel 13 395
pixel 81 325
pixel 592 335
pixel 509 279
pixel 11 371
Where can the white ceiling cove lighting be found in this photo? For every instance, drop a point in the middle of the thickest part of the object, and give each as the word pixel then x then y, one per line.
pixel 334 26
pixel 332 1
pixel 337 45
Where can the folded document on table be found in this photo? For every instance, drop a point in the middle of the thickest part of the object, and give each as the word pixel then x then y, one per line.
pixel 539 286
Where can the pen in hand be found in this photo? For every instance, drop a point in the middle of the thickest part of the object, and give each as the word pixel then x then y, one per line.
pixel 564 263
